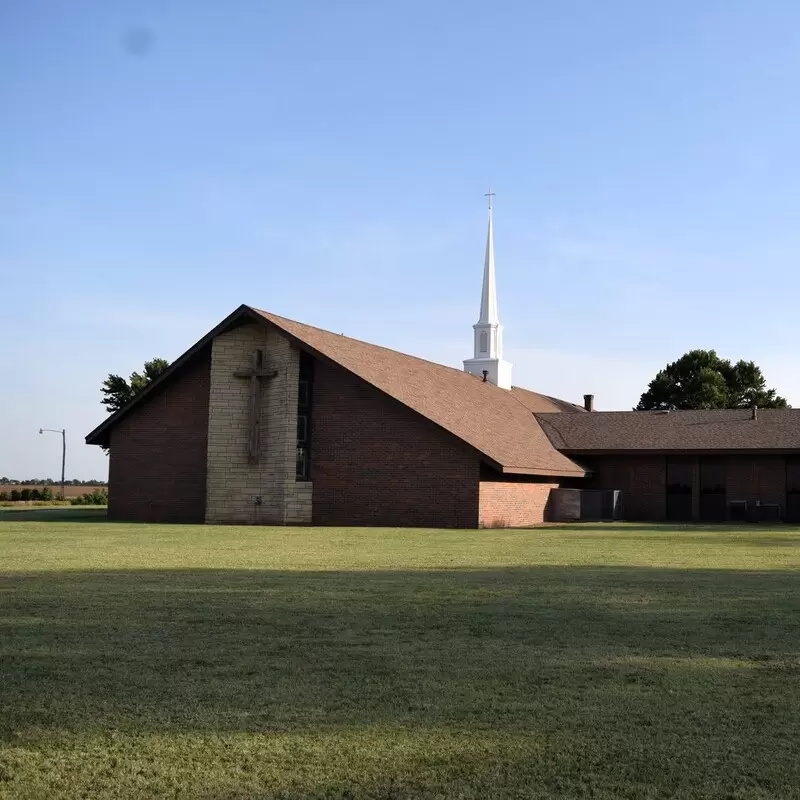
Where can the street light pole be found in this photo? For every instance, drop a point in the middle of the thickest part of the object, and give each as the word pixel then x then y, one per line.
pixel 63 433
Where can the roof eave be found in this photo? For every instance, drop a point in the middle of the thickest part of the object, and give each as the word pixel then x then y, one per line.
pixel 544 471
pixel 654 451
pixel 100 435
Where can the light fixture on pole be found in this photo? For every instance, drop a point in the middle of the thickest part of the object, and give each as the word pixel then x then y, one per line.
pixel 63 433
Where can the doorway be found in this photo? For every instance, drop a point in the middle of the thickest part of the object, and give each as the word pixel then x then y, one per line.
pixel 680 478
pixel 713 494
pixel 793 489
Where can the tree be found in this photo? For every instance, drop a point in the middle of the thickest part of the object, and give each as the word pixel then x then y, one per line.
pixel 119 392
pixel 701 379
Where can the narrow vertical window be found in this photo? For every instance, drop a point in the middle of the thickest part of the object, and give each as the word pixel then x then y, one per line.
pixel 793 489
pixel 713 495
pixel 304 392
pixel 680 477
pixel 484 342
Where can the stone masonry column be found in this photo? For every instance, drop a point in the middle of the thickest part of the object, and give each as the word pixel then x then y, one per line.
pixel 233 483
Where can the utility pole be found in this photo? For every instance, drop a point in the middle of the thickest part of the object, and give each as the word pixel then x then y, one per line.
pixel 63 433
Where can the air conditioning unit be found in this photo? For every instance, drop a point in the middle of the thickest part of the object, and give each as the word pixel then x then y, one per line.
pixel 570 505
pixel 768 512
pixel 601 504
pixel 737 510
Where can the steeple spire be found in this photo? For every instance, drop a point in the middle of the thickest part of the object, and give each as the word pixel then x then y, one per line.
pixel 489 294
pixel 488 360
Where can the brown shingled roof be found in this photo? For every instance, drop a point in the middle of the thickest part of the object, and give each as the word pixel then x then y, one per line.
pixel 542 403
pixel 713 430
pixel 498 423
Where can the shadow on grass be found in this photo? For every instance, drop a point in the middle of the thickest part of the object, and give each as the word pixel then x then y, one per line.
pixel 668 528
pixel 80 514
pixel 263 650
pixel 581 681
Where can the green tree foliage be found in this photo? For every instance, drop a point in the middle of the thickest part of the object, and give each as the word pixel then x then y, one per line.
pixel 119 392
pixel 99 497
pixel 701 379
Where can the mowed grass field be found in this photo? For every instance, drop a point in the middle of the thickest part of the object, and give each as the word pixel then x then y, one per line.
pixel 143 661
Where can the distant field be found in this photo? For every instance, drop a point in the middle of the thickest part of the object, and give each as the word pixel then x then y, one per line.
pixel 69 491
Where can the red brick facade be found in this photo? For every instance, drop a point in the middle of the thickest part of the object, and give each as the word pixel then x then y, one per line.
pixel 643 481
pixel 757 478
pixel 513 505
pixel 376 462
pixel 157 470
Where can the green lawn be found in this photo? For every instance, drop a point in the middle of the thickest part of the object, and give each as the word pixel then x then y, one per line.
pixel 596 661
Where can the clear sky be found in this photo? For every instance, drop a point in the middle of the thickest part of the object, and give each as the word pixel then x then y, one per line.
pixel 161 163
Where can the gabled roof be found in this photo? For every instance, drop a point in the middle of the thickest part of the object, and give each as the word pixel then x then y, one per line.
pixel 713 430
pixel 498 423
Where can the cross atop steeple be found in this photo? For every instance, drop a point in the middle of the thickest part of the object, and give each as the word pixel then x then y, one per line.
pixel 490 194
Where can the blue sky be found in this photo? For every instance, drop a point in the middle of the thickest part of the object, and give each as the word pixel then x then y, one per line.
pixel 161 163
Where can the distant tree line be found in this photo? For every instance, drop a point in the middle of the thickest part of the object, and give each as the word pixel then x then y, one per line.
pixel 98 497
pixel 26 495
pixel 48 482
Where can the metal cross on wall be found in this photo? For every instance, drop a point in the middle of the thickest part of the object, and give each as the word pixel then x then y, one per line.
pixel 255 374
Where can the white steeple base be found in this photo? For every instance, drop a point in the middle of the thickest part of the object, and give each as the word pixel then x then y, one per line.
pixel 498 371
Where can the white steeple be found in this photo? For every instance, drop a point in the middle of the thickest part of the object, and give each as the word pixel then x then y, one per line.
pixel 488 314
pixel 488 360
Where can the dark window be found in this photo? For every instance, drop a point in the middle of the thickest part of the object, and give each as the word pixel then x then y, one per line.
pixel 793 475
pixel 302 463
pixel 712 477
pixel 793 489
pixel 680 477
pixel 304 399
pixel 713 502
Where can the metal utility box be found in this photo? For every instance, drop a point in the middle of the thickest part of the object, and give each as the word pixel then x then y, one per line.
pixel 565 505
pixel 570 505
pixel 601 504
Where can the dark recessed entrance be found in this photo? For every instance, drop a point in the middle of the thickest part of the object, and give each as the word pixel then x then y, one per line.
pixel 680 475
pixel 793 489
pixel 713 495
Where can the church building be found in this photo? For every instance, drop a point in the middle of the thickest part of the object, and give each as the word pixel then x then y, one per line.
pixel 270 421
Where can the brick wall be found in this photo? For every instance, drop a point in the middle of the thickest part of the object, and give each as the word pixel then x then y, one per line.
pixel 376 462
pixel 513 505
pixel 757 478
pixel 157 469
pixel 233 482
pixel 642 480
